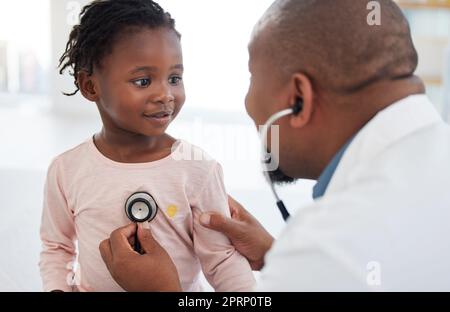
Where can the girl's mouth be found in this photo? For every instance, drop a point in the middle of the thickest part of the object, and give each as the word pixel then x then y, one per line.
pixel 159 118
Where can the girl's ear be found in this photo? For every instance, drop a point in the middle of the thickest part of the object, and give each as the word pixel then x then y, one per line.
pixel 88 86
pixel 303 93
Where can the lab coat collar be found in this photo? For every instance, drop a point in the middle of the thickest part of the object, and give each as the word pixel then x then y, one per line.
pixel 395 122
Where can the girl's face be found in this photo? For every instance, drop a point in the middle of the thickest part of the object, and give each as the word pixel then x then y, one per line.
pixel 139 85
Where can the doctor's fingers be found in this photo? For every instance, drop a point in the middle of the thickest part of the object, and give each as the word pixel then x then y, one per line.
pixel 106 252
pixel 148 242
pixel 120 239
pixel 217 222
pixel 237 210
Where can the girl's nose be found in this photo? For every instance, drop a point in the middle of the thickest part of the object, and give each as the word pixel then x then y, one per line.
pixel 164 94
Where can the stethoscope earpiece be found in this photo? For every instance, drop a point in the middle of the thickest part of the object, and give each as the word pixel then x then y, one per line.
pixel 298 107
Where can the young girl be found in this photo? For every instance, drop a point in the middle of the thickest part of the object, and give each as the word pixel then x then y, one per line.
pixel 126 57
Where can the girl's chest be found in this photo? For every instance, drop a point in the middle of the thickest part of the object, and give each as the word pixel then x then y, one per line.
pixel 106 199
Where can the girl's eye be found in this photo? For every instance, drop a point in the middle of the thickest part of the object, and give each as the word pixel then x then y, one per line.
pixel 175 80
pixel 142 83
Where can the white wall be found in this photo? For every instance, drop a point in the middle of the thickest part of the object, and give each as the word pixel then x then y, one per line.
pixel 62 16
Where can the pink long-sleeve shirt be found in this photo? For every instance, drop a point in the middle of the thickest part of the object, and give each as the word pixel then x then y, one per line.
pixel 84 200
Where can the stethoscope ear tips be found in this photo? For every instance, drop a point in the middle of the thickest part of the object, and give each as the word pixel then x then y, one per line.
pixel 141 207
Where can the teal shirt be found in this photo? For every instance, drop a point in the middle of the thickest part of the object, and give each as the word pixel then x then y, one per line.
pixel 325 178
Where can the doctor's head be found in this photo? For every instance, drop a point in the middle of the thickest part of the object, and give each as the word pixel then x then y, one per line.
pixel 343 68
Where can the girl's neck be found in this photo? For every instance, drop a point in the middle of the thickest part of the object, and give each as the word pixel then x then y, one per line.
pixel 133 148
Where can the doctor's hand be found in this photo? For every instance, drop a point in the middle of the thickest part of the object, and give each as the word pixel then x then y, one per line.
pixel 152 271
pixel 245 232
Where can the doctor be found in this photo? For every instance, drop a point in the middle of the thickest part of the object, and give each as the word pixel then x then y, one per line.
pixel 365 131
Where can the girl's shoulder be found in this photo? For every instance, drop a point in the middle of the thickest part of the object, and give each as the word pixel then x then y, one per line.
pixel 71 156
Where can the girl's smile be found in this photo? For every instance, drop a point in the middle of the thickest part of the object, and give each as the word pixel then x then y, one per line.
pixel 161 118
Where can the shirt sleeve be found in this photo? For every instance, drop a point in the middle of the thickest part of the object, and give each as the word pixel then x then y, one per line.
pixel 57 235
pixel 224 267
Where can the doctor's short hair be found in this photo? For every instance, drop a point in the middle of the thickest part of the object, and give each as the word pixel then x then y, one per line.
pixel 102 22
pixel 333 43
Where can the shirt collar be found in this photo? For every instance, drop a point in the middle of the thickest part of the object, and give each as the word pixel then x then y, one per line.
pixel 325 178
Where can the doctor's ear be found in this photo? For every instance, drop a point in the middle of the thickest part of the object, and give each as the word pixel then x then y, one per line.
pixel 88 86
pixel 301 100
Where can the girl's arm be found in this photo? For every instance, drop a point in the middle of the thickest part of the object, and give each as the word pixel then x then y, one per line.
pixel 57 234
pixel 224 267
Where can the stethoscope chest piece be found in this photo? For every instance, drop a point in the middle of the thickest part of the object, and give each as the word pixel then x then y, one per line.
pixel 141 207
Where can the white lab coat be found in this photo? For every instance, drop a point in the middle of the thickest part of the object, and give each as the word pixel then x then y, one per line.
pixel 384 221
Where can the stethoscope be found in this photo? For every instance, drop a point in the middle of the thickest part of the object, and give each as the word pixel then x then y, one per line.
pixel 140 207
pixel 267 157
